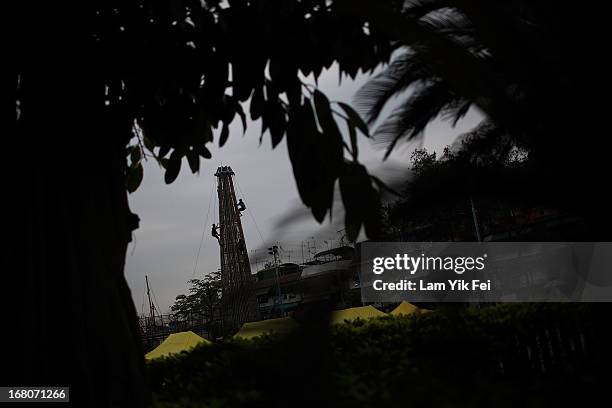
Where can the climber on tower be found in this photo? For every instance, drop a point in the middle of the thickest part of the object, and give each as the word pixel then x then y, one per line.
pixel 215 233
pixel 241 206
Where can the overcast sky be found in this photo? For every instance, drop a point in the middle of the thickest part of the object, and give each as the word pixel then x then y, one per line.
pixel 173 218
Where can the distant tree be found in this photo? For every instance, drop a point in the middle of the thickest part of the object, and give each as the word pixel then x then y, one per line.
pixel 442 188
pixel 203 298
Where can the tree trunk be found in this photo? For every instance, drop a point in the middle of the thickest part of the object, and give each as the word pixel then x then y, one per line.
pixel 71 320
pixel 74 323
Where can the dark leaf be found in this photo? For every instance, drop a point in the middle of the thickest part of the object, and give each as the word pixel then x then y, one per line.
pixel 372 221
pixel 229 109
pixel 135 154
pixel 257 102
pixel 240 113
pixel 277 130
pixel 314 158
pixel 353 137
pixel 163 151
pixel 382 186
pixel 333 138
pixel 203 151
pixel 361 201
pixel 355 119
pixel 148 143
pixel 352 197
pixel 323 109
pixel 173 167
pixel 134 178
pixel 352 224
pixel 275 119
pixel 224 135
pixel 203 129
pixel 301 137
pixel 194 161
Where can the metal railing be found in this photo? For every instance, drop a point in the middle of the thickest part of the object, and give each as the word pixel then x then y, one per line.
pixel 154 329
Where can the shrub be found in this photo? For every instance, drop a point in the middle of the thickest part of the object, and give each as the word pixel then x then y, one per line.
pixel 504 355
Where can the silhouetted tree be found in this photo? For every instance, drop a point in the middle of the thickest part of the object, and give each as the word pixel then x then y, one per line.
pixel 512 61
pixel 97 82
pixel 438 197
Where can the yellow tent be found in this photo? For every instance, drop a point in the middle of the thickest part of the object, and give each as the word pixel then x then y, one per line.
pixel 363 312
pixel 175 343
pixel 254 329
pixel 406 308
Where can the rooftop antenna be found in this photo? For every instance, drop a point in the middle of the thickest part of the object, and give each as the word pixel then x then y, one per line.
pixel 302 246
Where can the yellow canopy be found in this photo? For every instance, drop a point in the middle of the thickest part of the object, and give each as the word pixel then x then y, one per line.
pixel 406 308
pixel 254 329
pixel 175 343
pixel 363 312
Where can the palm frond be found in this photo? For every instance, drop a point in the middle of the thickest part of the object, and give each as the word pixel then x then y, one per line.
pixel 447 19
pixel 401 73
pixel 419 8
pixel 456 110
pixel 409 120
